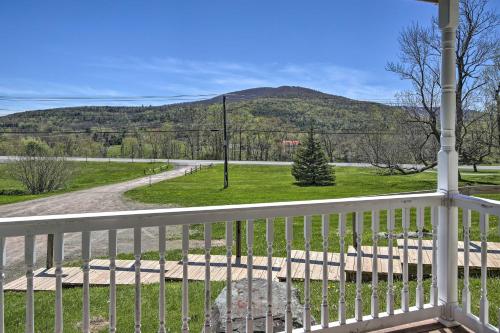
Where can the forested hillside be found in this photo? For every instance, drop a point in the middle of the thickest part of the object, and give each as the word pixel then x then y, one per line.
pixel 294 106
pixel 263 124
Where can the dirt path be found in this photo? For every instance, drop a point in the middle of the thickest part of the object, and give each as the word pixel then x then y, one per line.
pixel 97 199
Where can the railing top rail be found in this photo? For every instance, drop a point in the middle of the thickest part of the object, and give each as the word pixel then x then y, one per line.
pixel 487 206
pixel 19 226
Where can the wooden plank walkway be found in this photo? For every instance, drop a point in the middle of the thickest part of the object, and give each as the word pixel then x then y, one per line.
pixel 366 262
pixel 44 279
pixel 493 259
pixel 316 262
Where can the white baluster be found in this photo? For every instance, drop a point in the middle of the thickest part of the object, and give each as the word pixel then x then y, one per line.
pixel 112 279
pixel 86 281
pixel 390 263
pixel 375 230
pixel 137 265
pixel 483 303
pixel 359 267
pixel 307 273
pixel 229 255
pixel 434 288
pixel 208 247
pixel 342 309
pixel 289 240
pixel 420 258
pixel 249 326
pixel 2 277
pixel 325 224
pixel 405 303
pixel 162 242
pixel 185 286
pixel 466 219
pixel 269 240
pixel 58 259
pixel 29 259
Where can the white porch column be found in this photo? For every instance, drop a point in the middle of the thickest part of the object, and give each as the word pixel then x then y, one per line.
pixel 448 162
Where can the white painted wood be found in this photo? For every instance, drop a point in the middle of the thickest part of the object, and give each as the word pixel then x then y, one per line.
pixel 137 266
pixel 185 285
pixel 162 243
pixel 289 240
pixel 17 226
pixel 472 322
pixel 358 309
pixel 369 324
pixel 483 302
pixel 112 279
pixel 390 262
pixel 434 286
pixel 86 281
pixel 342 305
pixel 375 230
pixel 487 206
pixel 325 228
pixel 2 277
pixel 405 293
pixel 307 273
pixel 269 240
pixel 58 260
pixel 420 258
pixel 466 221
pixel 229 289
pixel 250 236
pixel 208 247
pixel 447 271
pixel 29 260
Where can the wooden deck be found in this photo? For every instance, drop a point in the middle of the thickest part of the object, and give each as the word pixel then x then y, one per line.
pixel 150 270
pixel 427 326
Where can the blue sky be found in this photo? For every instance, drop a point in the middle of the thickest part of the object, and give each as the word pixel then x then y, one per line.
pixel 134 48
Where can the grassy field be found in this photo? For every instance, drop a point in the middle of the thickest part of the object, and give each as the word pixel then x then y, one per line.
pixel 85 175
pixel 250 184
pixel 99 298
pixel 255 184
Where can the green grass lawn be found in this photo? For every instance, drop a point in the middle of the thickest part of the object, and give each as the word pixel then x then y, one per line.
pixel 99 298
pixel 255 184
pixel 250 184
pixel 85 175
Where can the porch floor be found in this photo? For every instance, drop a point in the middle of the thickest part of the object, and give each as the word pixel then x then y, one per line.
pixel 427 326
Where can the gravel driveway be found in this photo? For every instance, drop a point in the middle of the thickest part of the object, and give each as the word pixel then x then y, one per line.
pixel 97 199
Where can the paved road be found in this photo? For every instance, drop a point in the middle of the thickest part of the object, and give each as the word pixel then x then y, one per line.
pixel 97 199
pixel 6 159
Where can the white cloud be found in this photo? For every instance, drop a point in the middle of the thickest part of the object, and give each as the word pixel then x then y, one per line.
pixel 130 76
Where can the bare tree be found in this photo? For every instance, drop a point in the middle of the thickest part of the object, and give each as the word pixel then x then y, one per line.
pixel 476 47
pixel 38 171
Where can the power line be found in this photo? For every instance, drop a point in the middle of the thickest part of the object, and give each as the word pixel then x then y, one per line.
pixel 104 98
pixel 124 132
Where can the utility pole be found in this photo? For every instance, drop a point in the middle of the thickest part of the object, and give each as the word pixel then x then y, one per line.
pixel 226 179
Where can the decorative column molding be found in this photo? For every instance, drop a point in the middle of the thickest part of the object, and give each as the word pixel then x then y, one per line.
pixel 448 162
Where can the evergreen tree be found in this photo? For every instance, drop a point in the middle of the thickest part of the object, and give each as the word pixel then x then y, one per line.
pixel 310 166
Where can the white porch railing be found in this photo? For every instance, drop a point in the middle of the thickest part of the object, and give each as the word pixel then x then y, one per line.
pixel 381 315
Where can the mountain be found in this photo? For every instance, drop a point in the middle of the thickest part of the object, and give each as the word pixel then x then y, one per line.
pixel 286 106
